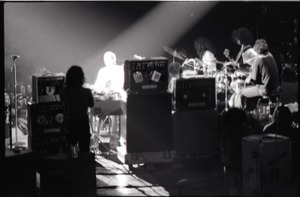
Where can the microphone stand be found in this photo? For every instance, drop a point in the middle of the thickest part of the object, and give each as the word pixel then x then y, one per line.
pixel 14 57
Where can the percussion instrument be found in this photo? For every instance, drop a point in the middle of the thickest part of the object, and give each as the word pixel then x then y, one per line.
pixel 223 81
pixel 239 79
pixel 174 53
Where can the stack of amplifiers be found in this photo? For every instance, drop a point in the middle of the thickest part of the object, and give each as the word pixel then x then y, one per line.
pixel 195 94
pixel 149 123
pixel 196 133
pixel 149 76
pixel 47 88
pixel 45 124
pixel 266 164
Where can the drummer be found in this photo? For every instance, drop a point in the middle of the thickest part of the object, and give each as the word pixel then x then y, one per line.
pixel 206 53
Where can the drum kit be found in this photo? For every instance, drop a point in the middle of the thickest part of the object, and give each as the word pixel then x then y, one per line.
pixel 228 80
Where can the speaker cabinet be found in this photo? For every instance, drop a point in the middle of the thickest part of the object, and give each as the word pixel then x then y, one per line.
pixel 196 132
pixel 45 121
pixel 20 174
pixel 195 94
pixel 146 76
pixel 149 123
pixel 47 88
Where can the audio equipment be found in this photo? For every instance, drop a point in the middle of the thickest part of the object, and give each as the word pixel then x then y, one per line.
pixel 47 88
pixel 45 121
pixel 149 123
pixel 195 94
pixel 195 133
pixel 19 174
pixel 146 76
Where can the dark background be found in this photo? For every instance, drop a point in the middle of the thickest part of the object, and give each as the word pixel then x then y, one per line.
pixel 56 35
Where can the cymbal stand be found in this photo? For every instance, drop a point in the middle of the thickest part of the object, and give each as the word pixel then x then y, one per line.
pixel 226 89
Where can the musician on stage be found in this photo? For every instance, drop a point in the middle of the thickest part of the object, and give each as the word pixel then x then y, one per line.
pixel 110 78
pixel 244 38
pixel 264 78
pixel 110 97
pixel 206 54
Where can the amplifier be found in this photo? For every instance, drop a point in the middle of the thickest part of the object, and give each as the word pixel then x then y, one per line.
pixel 45 120
pixel 146 76
pixel 195 94
pixel 47 88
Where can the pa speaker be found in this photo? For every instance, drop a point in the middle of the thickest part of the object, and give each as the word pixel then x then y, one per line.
pixel 149 126
pixel 195 94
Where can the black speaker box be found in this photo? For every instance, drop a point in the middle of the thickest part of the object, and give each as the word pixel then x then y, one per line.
pixel 47 88
pixel 20 174
pixel 149 125
pixel 195 94
pixel 196 132
pixel 45 121
pixel 148 76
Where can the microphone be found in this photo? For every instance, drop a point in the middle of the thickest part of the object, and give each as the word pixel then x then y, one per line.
pixel 15 56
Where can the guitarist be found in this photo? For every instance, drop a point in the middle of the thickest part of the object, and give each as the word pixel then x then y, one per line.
pixel 244 38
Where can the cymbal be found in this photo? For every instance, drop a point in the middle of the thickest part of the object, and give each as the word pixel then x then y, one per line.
pixel 174 53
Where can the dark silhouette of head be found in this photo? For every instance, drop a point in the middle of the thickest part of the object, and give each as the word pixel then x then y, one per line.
pixel 242 34
pixel 74 76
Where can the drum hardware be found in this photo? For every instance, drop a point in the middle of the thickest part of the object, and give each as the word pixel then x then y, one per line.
pixel 175 53
pixel 226 64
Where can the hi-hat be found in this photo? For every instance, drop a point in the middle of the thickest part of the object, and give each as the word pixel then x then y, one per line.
pixel 174 53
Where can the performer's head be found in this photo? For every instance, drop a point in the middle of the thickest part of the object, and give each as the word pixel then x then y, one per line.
pixel 242 36
pixel 202 44
pixel 109 58
pixel 261 46
pixel 75 76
